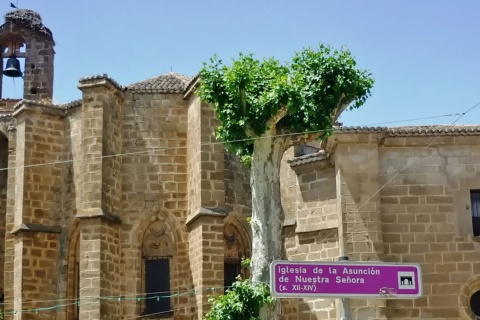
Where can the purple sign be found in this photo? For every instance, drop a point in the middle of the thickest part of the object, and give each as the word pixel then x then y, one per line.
pixel 294 279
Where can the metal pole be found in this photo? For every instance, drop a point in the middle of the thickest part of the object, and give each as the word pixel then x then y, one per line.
pixel 343 305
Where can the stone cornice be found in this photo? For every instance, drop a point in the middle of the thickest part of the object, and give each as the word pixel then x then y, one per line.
pixel 191 86
pixel 38 106
pixel 99 214
pixel 206 212
pixel 392 137
pixel 35 227
pixel 305 228
pixel 72 104
pixel 99 80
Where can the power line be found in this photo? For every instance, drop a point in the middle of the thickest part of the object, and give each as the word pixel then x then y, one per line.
pixel 88 300
pixel 460 115
pixel 95 157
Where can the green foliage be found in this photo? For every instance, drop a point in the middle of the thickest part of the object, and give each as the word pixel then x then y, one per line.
pixel 247 263
pixel 248 93
pixel 242 301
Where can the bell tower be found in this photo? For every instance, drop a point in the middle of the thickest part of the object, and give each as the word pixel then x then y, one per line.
pixel 24 38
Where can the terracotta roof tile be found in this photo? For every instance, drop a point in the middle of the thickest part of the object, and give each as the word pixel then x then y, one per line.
pixel 414 130
pixel 84 80
pixel 434 130
pixel 166 83
pixel 309 158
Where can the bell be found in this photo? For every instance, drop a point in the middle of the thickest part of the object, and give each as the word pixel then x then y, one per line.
pixel 12 69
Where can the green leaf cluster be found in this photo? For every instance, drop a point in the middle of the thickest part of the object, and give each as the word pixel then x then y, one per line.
pixel 249 92
pixel 242 301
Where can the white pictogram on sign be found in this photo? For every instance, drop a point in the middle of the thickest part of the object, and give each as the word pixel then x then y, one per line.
pixel 406 280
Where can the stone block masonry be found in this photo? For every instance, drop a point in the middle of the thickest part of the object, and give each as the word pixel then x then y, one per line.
pixel 101 189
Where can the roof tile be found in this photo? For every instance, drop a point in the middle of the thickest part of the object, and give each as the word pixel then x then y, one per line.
pixel 166 83
pixel 414 130
pixel 433 130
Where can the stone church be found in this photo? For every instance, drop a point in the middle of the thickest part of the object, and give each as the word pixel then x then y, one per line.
pixel 121 205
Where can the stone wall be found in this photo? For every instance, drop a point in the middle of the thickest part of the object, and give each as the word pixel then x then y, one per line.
pixel 154 187
pixel 427 220
pixel 238 194
pixel 37 206
pixel 194 154
pixel 320 245
pixel 9 225
pixel 397 200
pixel 98 188
pixel 38 73
pixel 3 201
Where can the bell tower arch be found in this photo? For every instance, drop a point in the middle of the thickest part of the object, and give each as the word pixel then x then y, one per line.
pixel 24 38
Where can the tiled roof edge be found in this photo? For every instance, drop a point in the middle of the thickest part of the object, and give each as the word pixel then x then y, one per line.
pixel 412 130
pixel 190 84
pixel 308 158
pixel 72 104
pixel 160 90
pixel 38 103
pixel 104 76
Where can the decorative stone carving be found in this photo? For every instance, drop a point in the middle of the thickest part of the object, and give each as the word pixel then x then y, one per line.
pixel 157 241
pixel 236 243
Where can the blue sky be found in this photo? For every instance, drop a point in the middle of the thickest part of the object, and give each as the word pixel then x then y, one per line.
pixel 424 54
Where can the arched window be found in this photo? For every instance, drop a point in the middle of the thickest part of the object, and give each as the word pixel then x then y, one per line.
pixel 73 291
pixel 77 279
pixel 237 247
pixel 157 252
pixel 475 303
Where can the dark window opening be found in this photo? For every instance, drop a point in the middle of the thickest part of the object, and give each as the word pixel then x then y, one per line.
pixel 157 286
pixel 232 268
pixel 475 202
pixel 33 90
pixel 475 303
pixel 32 66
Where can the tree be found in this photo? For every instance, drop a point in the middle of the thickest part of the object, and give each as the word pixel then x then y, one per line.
pixel 264 107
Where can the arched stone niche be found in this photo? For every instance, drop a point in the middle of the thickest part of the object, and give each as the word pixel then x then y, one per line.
pixel 237 246
pixel 236 242
pixel 159 276
pixel 73 272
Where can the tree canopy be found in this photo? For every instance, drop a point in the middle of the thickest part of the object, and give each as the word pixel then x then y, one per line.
pixel 253 97
pixel 264 107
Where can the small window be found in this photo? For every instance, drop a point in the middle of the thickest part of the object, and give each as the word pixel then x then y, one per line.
pixel 475 202
pixel 232 268
pixel 157 286
pixel 475 304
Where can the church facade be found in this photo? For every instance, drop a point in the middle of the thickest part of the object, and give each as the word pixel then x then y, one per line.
pixel 122 205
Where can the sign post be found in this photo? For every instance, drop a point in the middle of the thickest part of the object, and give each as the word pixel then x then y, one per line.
pixel 343 305
pixel 341 280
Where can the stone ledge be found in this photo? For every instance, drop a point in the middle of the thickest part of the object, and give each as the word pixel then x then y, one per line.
pixel 99 80
pixel 38 106
pixel 72 104
pixel 209 212
pixel 35 227
pixel 99 214
pixel 313 164
pixel 191 86
pixel 316 227
pixel 290 222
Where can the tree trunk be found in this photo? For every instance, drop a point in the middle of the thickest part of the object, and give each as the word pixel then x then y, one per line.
pixel 267 213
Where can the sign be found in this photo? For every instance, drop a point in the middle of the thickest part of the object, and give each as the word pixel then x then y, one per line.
pixel 295 279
